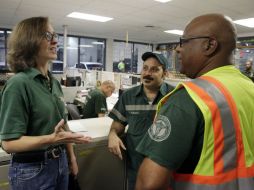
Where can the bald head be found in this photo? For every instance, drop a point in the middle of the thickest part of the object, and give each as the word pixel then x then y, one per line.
pixel 207 43
pixel 218 26
pixel 108 83
pixel 107 87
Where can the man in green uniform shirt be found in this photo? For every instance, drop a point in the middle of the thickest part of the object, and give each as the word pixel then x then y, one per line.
pixel 136 108
pixel 202 135
pixel 96 105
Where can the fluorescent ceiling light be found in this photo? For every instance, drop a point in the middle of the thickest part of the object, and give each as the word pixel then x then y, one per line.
pixel 178 32
pixel 98 43
pixel 163 1
pixel 86 46
pixel 89 17
pixel 249 22
pixel 8 32
pixel 72 48
pixel 1 32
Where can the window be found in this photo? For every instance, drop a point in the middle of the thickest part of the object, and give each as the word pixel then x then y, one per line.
pixel 127 57
pixel 72 51
pixel 244 52
pixel 84 53
pixel 170 54
pixel 139 50
pixel 92 53
pixel 57 65
pixel 2 50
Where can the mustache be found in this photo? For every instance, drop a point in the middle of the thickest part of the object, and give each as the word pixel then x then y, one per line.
pixel 148 77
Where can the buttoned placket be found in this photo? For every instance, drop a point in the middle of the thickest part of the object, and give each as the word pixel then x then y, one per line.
pixel 48 83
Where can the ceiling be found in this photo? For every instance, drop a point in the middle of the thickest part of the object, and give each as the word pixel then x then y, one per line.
pixel 129 15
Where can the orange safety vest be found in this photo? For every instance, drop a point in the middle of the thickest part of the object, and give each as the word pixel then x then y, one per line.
pixel 227 159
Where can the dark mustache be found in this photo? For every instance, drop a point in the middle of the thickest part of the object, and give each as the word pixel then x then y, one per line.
pixel 148 77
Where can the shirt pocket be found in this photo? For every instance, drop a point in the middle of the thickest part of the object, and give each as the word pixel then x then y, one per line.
pixel 139 123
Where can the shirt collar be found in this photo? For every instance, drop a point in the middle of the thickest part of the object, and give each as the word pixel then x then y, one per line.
pixel 32 73
pixel 163 89
pixel 138 90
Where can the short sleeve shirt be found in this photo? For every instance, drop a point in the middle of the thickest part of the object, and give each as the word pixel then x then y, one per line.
pixel 133 109
pixel 95 103
pixel 30 105
pixel 176 137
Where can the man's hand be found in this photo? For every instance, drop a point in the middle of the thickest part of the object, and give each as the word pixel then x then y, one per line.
pixel 115 144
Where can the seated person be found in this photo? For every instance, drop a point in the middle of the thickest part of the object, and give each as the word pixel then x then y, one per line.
pixel 96 105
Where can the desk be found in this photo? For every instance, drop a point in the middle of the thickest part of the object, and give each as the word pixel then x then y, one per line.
pixel 71 92
pixel 111 101
pixel 97 128
pixel 98 168
pixel 4 167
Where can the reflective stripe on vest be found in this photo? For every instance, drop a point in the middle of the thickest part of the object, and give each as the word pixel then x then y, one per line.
pixel 225 147
pixel 241 184
pixel 230 171
pixel 245 175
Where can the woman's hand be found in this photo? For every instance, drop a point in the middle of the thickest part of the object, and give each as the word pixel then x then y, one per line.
pixel 73 166
pixel 60 135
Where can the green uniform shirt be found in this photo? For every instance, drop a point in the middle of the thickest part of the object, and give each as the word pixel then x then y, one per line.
pixel 95 104
pixel 175 139
pixel 30 105
pixel 134 110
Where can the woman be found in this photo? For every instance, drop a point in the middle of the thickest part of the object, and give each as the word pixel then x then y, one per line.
pixel 32 113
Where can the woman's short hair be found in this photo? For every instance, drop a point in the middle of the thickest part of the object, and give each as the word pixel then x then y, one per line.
pixel 24 43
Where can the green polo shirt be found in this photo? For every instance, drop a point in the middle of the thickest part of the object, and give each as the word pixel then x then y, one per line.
pixel 133 109
pixel 175 139
pixel 95 104
pixel 29 106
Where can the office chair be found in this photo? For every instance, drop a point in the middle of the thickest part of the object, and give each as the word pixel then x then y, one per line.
pixel 73 111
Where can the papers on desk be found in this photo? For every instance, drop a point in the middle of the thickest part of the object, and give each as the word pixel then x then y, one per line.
pixel 77 126
pixel 82 93
pixel 111 101
pixel 80 100
pixel 94 127
pixel 4 156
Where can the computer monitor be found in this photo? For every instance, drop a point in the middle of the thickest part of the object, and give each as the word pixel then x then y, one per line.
pixel 73 81
pixel 57 67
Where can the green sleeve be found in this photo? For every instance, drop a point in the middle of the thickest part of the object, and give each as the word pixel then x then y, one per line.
pixel 14 110
pixel 169 140
pixel 100 104
pixel 118 113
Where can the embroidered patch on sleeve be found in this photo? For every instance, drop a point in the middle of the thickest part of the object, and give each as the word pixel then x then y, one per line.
pixel 160 129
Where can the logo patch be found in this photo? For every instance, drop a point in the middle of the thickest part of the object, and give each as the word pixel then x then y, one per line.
pixel 160 129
